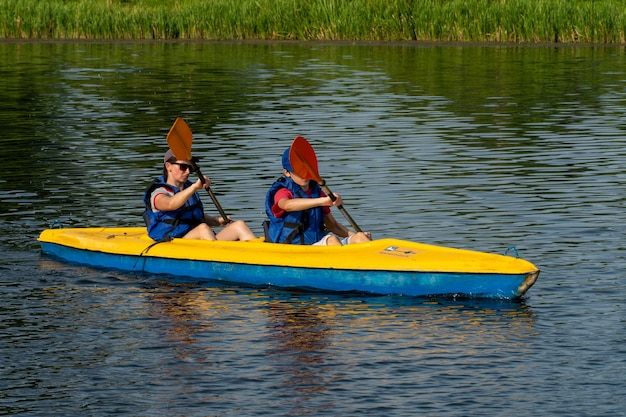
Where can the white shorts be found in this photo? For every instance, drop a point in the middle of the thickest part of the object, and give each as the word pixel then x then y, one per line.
pixel 324 241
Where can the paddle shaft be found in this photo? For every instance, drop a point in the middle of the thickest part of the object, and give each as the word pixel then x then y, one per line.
pixel 208 189
pixel 343 211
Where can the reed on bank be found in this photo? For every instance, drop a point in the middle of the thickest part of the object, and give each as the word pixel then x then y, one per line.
pixel 518 21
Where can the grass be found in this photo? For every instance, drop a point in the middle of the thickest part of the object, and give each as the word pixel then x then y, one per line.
pixel 518 21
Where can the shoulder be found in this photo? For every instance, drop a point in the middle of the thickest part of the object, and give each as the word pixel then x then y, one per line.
pixel 162 189
pixel 282 193
pixel 158 191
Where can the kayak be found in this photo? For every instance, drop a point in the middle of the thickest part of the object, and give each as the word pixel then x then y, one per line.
pixel 384 266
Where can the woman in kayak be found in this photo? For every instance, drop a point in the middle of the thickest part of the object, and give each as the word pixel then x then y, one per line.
pixel 174 210
pixel 299 213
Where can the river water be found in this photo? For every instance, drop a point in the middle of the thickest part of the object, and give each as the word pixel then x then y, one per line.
pixel 478 147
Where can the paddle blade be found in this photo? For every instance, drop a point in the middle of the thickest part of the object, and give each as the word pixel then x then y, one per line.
pixel 303 159
pixel 179 139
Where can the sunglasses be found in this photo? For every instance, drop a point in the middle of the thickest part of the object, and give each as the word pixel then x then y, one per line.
pixel 183 167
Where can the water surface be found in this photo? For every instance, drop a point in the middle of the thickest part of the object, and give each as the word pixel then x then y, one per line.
pixel 474 147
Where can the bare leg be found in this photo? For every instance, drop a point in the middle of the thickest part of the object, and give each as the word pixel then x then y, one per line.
pixel 237 230
pixel 201 231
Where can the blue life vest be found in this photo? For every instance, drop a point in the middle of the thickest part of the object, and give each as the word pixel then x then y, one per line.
pixel 166 225
pixel 300 227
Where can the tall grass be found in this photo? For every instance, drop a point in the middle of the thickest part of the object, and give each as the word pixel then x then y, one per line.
pixel 522 21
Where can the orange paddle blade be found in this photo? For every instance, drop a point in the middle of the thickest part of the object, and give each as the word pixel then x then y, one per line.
pixel 179 139
pixel 303 159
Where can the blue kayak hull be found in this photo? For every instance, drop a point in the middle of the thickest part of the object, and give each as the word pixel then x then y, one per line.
pixel 411 283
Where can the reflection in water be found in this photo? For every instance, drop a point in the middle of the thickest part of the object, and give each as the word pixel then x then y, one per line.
pixel 187 310
pixel 418 330
pixel 311 336
pixel 300 353
pixel 299 331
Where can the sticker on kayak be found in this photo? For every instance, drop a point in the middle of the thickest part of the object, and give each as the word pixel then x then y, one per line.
pixel 397 251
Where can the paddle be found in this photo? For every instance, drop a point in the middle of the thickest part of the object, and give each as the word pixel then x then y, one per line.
pixel 179 139
pixel 304 163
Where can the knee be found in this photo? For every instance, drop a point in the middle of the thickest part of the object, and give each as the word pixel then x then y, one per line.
pixel 201 231
pixel 359 237
pixel 206 233
pixel 241 226
pixel 242 230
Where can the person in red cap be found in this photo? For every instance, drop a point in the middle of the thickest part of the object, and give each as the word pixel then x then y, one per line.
pixel 174 209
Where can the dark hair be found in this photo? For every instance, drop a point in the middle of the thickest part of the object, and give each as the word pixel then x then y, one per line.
pixel 172 159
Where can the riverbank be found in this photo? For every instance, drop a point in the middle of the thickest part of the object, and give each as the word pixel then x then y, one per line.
pixel 517 21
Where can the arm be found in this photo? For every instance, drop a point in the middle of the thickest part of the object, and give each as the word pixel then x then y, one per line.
pixel 164 202
pixel 214 221
pixel 299 204
pixel 335 227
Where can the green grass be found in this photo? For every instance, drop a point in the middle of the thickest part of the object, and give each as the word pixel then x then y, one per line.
pixel 520 21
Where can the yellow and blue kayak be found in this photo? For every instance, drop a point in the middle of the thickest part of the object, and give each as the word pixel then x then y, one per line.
pixel 384 266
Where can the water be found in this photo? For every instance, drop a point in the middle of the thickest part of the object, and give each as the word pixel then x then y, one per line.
pixel 473 147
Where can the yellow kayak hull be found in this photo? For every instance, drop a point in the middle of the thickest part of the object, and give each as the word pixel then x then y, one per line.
pixel 385 266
